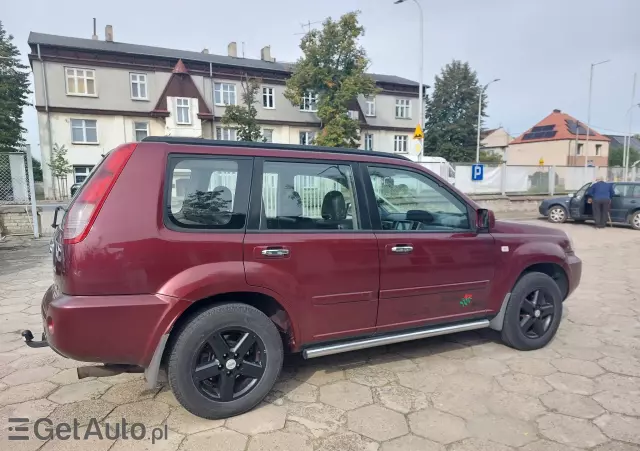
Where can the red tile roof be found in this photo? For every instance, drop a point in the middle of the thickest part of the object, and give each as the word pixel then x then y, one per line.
pixel 559 120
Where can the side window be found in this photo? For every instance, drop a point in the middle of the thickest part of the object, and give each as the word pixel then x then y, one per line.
pixel 204 193
pixel 582 191
pixel 308 196
pixel 408 201
pixel 623 190
pixel 636 191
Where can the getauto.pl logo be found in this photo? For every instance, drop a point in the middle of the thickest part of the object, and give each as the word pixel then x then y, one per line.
pixel 45 429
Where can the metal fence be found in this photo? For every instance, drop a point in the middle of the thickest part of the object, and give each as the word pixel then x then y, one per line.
pixel 16 183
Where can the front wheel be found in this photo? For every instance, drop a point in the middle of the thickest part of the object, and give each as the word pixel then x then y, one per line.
pixel 558 214
pixel 635 220
pixel 225 361
pixel 533 313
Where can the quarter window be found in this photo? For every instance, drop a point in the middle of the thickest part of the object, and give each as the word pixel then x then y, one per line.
pixel 84 131
pixel 403 108
pixel 204 194
pixel 138 86
pixel 268 97
pixel 183 111
pixel 309 102
pixel 80 82
pixel 408 201
pixel 308 196
pixel 400 143
pixel 225 94
pixel 141 130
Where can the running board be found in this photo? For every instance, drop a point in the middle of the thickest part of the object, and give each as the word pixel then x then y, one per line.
pixel 356 345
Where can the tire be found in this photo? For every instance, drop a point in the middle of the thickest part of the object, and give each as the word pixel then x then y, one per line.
pixel 634 220
pixel 557 214
pixel 225 327
pixel 550 304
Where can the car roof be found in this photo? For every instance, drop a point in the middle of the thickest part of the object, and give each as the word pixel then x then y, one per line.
pixel 271 146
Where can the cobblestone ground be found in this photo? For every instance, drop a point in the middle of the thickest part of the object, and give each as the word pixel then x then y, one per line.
pixel 462 392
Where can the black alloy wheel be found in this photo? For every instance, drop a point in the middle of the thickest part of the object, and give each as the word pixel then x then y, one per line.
pixel 229 364
pixel 536 314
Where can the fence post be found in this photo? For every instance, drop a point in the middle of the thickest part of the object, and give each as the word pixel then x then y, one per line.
pixel 552 180
pixel 503 179
pixel 32 193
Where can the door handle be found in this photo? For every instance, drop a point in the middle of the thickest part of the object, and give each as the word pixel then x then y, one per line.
pixel 402 249
pixel 277 252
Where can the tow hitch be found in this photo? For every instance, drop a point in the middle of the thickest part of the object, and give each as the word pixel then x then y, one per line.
pixel 28 339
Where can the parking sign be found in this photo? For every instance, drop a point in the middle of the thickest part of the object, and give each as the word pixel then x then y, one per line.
pixel 477 172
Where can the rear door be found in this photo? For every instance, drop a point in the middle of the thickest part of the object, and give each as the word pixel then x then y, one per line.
pixel 310 241
pixel 434 266
pixel 621 201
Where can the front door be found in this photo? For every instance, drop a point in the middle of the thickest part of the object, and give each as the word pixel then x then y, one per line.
pixel 434 265
pixel 312 245
pixel 578 204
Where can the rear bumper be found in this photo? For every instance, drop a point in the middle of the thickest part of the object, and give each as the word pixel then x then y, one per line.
pixel 575 273
pixel 108 329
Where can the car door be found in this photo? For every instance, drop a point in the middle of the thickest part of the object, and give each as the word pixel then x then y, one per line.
pixel 578 204
pixel 622 201
pixel 310 241
pixel 434 265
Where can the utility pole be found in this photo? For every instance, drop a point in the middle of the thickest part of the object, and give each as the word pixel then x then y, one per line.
pixel 480 117
pixel 586 142
pixel 627 147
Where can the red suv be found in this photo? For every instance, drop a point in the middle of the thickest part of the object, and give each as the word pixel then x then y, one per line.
pixel 208 260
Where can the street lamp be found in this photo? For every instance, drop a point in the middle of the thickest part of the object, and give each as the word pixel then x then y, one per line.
pixel 397 2
pixel 627 139
pixel 586 145
pixel 480 117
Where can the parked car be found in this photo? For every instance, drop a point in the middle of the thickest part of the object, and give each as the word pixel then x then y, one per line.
pixel 208 260
pixel 625 205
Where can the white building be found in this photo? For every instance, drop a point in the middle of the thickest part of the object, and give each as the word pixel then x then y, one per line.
pixel 93 95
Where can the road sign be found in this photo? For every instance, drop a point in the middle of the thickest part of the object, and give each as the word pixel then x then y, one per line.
pixel 418 133
pixel 477 172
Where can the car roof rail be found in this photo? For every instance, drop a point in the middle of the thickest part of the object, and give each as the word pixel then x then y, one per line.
pixel 274 146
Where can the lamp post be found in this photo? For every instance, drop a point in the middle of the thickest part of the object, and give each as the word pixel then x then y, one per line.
pixel 421 94
pixel 480 117
pixel 627 141
pixel 586 141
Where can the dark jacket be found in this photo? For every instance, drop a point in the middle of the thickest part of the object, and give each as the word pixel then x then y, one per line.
pixel 600 191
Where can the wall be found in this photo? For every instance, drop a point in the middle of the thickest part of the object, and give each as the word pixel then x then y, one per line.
pixel 555 153
pixel 499 138
pixel 17 220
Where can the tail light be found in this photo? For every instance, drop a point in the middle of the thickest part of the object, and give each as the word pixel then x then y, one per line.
pixel 85 208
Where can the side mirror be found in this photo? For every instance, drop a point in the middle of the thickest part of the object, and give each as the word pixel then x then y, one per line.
pixel 485 220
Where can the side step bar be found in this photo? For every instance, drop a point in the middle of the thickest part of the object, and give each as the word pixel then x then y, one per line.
pixel 356 345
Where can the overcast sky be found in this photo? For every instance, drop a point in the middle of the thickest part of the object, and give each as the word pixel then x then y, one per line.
pixel 540 49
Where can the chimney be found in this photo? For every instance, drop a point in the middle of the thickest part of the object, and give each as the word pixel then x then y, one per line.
pixel 108 33
pixel 94 36
pixel 557 111
pixel 232 49
pixel 265 54
pixel 205 51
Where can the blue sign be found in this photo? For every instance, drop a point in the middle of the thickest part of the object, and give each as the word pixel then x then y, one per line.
pixel 477 172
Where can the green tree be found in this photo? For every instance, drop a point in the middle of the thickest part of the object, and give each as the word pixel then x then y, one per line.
pixel 490 157
pixel 14 92
pixel 452 114
pixel 244 116
pixel 333 67
pixel 37 169
pixel 616 153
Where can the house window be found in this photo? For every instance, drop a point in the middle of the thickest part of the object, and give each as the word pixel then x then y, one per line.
pixel 80 82
pixel 371 106
pixel 141 130
pixel 353 115
pixel 267 135
pixel 306 138
pixel 226 133
pixel 403 108
pixel 84 131
pixel 579 150
pixel 183 111
pixel 598 149
pixel 80 173
pixel 138 86
pixel 225 94
pixel 368 141
pixel 400 143
pixel 268 98
pixel 309 102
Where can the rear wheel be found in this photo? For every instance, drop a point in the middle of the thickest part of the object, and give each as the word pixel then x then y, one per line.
pixel 533 313
pixel 557 214
pixel 635 220
pixel 225 361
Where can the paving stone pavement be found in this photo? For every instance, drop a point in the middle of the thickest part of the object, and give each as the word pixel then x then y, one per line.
pixel 455 393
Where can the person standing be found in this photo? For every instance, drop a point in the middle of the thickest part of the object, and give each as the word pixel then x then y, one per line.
pixel 601 193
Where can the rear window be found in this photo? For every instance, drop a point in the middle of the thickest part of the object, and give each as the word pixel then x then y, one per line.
pixel 207 193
